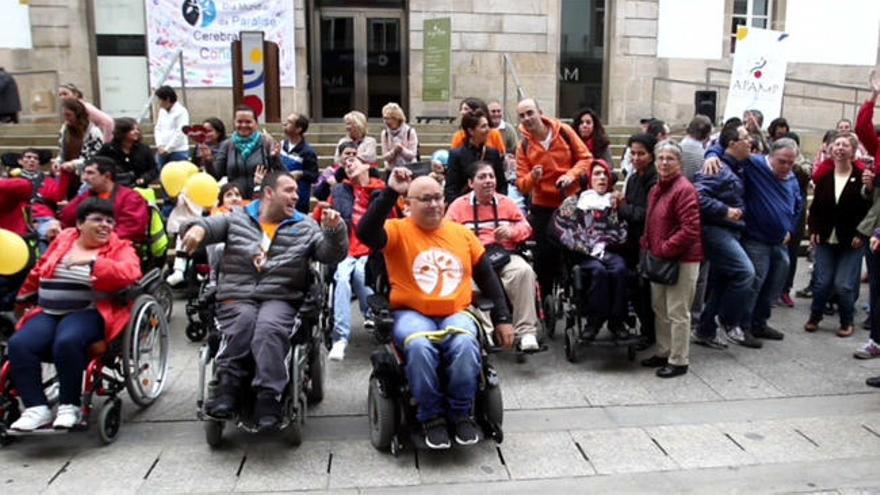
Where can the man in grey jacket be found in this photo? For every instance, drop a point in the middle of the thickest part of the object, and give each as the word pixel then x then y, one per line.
pixel 264 276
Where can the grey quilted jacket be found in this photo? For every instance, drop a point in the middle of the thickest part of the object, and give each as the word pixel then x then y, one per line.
pixel 285 274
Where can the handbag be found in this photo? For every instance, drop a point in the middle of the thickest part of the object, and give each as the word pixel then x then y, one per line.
pixel 498 256
pixel 658 270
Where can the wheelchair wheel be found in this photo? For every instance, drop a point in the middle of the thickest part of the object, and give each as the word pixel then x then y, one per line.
pixel 145 351
pixel 165 295
pixel 110 419
pixel 196 332
pixel 10 414
pixel 571 345
pixel 494 404
pixel 293 434
pixel 383 420
pixel 213 432
pixel 550 316
pixel 317 364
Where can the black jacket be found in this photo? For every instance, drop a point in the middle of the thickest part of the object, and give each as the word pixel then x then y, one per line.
pixel 9 100
pixel 460 159
pixel 842 216
pixel 139 164
pixel 635 209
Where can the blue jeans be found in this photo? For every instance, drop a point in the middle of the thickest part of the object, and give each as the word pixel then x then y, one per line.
pixel 771 270
pixel 731 275
pixel 174 156
pixel 873 261
pixel 62 339
pixel 836 268
pixel 349 274
pixel 459 354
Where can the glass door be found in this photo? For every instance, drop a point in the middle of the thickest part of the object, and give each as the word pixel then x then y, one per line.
pixel 358 61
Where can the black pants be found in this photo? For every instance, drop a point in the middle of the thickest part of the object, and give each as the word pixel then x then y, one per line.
pixel 546 261
pixel 642 299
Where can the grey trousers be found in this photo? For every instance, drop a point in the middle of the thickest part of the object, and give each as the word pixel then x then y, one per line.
pixel 259 333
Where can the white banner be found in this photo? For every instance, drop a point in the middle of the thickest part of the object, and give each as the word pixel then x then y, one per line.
pixel 16 32
pixel 757 80
pixel 205 29
pixel 679 36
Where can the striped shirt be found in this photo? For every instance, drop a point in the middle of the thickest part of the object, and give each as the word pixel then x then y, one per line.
pixel 67 291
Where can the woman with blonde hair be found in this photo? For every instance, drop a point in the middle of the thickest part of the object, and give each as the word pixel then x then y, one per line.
pixel 356 132
pixel 400 143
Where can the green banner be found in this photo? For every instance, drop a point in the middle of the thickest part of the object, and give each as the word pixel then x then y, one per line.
pixel 437 57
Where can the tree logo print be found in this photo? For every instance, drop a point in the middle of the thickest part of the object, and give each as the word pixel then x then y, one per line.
pixel 437 272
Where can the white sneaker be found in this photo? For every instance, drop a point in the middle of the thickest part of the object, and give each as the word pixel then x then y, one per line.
pixel 528 342
pixel 33 418
pixel 337 352
pixel 175 278
pixel 68 416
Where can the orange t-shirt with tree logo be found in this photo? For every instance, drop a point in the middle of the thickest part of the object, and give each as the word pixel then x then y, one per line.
pixel 431 272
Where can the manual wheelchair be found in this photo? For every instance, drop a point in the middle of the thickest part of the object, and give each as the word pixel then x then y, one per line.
pixel 306 369
pixel 391 409
pixel 136 361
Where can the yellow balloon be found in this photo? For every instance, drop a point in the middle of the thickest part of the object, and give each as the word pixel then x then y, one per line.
pixel 203 189
pixel 174 176
pixel 15 253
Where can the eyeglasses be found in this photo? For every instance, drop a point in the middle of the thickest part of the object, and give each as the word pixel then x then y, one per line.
pixel 428 199
pixel 96 219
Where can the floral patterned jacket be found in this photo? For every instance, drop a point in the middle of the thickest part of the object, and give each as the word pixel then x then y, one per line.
pixel 587 224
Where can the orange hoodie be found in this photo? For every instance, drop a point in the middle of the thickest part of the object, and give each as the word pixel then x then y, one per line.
pixel 569 157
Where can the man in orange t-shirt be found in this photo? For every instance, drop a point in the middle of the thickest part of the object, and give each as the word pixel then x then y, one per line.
pixel 432 265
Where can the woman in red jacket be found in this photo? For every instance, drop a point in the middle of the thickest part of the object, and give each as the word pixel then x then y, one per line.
pixel 672 233
pixel 70 286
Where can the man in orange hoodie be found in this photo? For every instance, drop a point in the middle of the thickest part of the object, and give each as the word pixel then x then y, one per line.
pixel 550 161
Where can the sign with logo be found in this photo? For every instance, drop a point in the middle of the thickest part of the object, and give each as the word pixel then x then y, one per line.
pixel 204 30
pixel 253 73
pixel 437 57
pixel 757 80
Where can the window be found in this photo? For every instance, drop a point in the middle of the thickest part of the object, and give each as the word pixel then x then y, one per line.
pixel 754 13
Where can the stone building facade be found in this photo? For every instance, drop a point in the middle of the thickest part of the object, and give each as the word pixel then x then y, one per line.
pixel 565 52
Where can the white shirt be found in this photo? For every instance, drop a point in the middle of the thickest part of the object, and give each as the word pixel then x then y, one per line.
pixel 549 139
pixel 168 129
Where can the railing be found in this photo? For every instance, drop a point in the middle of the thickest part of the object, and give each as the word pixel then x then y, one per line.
pixel 848 103
pixel 510 68
pixel 177 59
pixel 34 94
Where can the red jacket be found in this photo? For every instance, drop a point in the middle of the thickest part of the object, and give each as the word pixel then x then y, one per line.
pixel 566 156
pixel 53 191
pixel 866 133
pixel 132 213
pixel 672 229
pixel 116 268
pixel 15 196
pixel 352 200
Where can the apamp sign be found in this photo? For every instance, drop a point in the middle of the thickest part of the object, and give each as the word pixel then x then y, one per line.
pixel 205 29
pixel 757 80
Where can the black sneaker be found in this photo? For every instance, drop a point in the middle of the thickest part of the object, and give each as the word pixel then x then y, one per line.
pixel 768 333
pixel 805 293
pixel 874 381
pixel 436 434
pixel 466 431
pixel 223 401
pixel 267 411
pixel 750 341
pixel 619 330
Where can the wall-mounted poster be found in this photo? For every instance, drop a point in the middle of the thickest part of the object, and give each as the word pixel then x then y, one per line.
pixel 204 30
pixel 437 74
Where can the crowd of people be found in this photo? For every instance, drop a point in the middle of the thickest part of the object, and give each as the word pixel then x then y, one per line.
pixel 699 236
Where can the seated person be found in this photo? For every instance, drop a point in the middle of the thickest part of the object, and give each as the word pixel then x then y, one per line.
pixel 264 276
pixel 132 211
pixel 351 198
pixel 432 264
pixel 501 226
pixel 588 226
pixel 82 265
pixel 48 193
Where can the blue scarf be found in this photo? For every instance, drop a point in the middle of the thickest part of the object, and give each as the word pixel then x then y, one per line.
pixel 247 145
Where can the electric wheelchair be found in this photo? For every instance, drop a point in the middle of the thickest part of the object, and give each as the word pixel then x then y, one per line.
pixel 391 409
pixel 136 361
pixel 306 369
